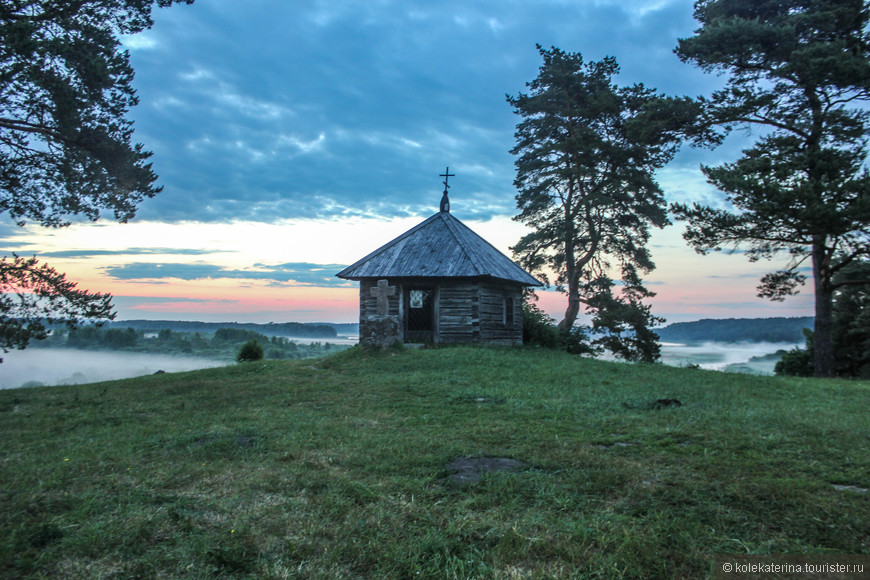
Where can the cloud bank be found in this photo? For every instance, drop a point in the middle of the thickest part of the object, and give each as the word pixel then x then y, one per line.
pixel 272 110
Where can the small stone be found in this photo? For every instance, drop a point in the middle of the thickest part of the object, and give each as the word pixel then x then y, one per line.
pixel 854 488
pixel 469 470
pixel 662 403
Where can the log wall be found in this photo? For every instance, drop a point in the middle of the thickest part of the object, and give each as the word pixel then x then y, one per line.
pixel 466 310
pixel 458 311
pixel 496 326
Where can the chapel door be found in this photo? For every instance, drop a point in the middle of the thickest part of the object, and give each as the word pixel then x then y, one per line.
pixel 420 314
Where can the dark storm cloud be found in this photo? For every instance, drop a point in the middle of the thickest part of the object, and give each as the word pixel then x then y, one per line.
pixel 270 109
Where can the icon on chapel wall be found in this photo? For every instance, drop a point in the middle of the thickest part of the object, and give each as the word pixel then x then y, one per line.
pixel 416 298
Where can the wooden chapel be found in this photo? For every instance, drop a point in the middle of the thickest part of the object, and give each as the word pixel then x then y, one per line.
pixel 439 282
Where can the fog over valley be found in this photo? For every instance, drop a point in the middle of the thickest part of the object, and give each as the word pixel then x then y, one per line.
pixel 724 355
pixel 60 366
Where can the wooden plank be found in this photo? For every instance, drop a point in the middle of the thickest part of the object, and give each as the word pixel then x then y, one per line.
pixel 493 328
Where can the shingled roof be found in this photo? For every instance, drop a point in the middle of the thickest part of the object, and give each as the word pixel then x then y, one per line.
pixel 440 247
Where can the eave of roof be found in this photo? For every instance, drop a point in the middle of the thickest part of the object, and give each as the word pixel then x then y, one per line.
pixel 440 246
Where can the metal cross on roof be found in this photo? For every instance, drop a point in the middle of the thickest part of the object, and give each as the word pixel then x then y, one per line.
pixel 445 202
pixel 446 175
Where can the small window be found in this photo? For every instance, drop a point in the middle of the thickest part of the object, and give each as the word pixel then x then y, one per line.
pixel 416 298
pixel 509 310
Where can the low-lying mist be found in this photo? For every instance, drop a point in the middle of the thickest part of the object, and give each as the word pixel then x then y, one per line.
pixel 60 366
pixel 719 355
pixel 56 366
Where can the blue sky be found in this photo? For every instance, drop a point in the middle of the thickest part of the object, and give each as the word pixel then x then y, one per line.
pixel 271 109
pixel 292 138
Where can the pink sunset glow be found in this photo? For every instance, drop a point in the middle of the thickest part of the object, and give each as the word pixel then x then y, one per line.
pixel 233 268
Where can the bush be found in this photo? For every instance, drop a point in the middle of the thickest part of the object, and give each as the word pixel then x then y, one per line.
pixel 538 328
pixel 798 362
pixel 851 331
pixel 250 351
pixel 576 341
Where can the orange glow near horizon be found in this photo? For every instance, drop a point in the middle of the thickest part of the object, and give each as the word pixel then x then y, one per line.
pixel 688 286
pixel 249 301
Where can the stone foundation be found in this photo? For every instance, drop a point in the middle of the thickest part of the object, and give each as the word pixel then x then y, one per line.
pixel 379 331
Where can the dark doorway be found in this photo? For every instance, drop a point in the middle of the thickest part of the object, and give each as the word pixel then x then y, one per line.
pixel 420 319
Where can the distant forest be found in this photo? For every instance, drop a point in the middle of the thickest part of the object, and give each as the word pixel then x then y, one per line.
pixel 737 330
pixel 219 344
pixel 294 329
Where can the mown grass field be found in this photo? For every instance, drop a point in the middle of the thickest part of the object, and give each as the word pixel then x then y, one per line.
pixel 337 468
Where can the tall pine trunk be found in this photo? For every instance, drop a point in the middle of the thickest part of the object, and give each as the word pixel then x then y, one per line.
pixel 572 270
pixel 823 357
pixel 572 311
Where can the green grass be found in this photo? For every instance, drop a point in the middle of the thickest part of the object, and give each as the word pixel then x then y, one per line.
pixel 337 468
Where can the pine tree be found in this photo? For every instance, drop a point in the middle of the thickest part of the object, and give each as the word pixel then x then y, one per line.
pixel 586 152
pixel 799 70
pixel 65 143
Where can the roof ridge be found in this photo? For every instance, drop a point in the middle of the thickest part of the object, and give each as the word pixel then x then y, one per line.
pixel 452 224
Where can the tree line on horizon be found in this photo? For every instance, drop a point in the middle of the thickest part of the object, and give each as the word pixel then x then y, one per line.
pixel 586 154
pixel 222 343
pixel 775 329
pixel 290 329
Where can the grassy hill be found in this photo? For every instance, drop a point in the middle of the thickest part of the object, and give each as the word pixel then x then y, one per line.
pixel 337 468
